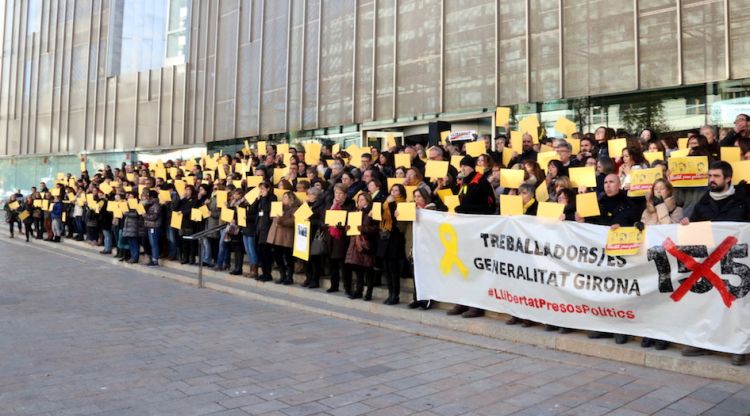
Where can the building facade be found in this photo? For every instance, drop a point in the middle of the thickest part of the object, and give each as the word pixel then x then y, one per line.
pixel 117 78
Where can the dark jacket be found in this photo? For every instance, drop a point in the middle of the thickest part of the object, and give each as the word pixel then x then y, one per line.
pixel 133 225
pixel 264 216
pixel 731 208
pixel 361 250
pixel 476 196
pixel 281 232
pixel 618 209
pixel 185 206
pixel 152 218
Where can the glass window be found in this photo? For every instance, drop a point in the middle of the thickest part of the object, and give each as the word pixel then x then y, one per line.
pixel 177 32
pixel 137 36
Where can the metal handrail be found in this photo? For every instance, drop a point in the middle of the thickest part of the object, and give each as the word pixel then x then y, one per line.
pixel 199 236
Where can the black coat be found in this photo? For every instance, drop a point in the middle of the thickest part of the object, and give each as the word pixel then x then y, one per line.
pixel 478 197
pixel 732 208
pixel 251 219
pixel 618 209
pixel 264 217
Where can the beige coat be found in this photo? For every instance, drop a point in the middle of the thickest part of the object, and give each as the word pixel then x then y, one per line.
pixel 665 213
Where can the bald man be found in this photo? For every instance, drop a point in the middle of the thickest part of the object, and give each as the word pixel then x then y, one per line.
pixel 614 206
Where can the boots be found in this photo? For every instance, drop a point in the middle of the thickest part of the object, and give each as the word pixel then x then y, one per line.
pixel 253 273
pixel 289 279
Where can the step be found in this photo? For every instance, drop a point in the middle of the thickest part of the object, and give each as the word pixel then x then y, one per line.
pixel 490 332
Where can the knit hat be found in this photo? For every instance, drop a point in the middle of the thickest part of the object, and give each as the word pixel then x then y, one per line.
pixel 468 161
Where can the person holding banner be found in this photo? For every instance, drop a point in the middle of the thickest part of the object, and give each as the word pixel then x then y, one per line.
pixel 422 200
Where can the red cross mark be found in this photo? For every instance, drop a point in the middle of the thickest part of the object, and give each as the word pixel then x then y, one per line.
pixel 702 269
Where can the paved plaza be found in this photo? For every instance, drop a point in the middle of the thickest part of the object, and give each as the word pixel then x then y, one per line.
pixel 87 337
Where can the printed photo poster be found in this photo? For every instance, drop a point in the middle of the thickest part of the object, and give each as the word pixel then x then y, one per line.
pixel 690 171
pixel 301 248
pixel 641 180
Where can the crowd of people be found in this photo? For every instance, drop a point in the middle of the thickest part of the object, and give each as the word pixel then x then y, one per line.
pixel 257 195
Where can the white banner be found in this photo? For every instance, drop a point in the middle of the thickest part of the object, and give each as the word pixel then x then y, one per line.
pixel 686 285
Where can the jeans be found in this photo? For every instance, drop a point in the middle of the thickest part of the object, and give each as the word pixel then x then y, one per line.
pixel 57 227
pixel 134 248
pixel 79 225
pixel 207 258
pixel 249 242
pixel 173 240
pixel 107 240
pixel 153 239
pixel 223 258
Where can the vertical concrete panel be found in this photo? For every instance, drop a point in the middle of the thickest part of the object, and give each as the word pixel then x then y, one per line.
pixel 703 45
pixel 657 43
pixel 310 92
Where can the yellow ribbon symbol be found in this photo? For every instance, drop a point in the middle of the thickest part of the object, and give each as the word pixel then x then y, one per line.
pixel 450 241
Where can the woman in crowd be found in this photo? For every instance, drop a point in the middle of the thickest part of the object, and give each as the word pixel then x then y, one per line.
pixel 632 159
pixel 360 255
pixel 422 200
pixel 281 237
pixel 185 205
pixel 152 221
pixel 265 252
pixel 392 243
pixel 133 229
pixel 314 265
pixel 338 241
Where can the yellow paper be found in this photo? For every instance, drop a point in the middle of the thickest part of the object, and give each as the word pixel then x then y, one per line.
pixel 406 211
pixel 456 161
pixel 740 171
pixel 221 198
pixel 335 217
pixel 624 241
pixel 730 154
pixel 279 193
pixel 587 205
pixel 565 126
pixel 444 136
pixel 354 220
pixel 261 148
pixel 312 153
pixel 140 209
pixel 127 188
pixel 253 181
pixel 377 211
pixel 195 215
pixel 23 215
pixel 652 156
pixel 615 147
pixel 46 205
pixel 390 141
pixel 394 181
pixel 123 205
pixel 241 217
pixel 544 158
pixel 516 142
pixel 205 213
pixel 682 143
pixel 475 148
pixel 688 171
pixel 37 203
pixel 530 124
pixel 302 213
pixel 542 193
pixel 410 193
pixel 14 205
pixel 179 186
pixel 452 201
pixel 507 156
pixel 402 159
pixel 176 221
pixel 443 193
pixel 106 188
pixel 282 148
pixel 251 196
pixel 132 202
pixel 301 244
pixel 511 205
pixel 165 197
pixel 130 176
pixel 116 211
pixel 279 174
pixel 211 164
pixel 641 180
pixel 575 145
pixel 335 148
pixel 583 176
pixel 550 210
pixel 227 214
pixel 83 166
pixel 435 169
pixel 502 116
pixel 90 200
pixel 680 153
pixel 237 184
pixel 277 209
pixel 511 178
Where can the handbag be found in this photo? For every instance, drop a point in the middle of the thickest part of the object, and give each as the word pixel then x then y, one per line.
pixel 362 245
pixel 319 245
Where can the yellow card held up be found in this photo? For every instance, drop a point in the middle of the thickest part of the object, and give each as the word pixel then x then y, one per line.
pixel 241 217
pixel 587 205
pixel 511 178
pixel 475 149
pixel 221 198
pixel 402 160
pixel 390 141
pixel 530 124
pixel 516 142
pixel 507 156
pixel 730 154
pixel 253 181
pixel 377 211
pixel 544 158
pixel 679 153
pixel 410 193
pixel 179 186
pixel 502 116
pixel 354 220
pixel 615 147
pixel 277 209
pixel 565 126
pixel 165 197
pixel 443 193
pixel 261 148
pixel 583 176
pixel 406 211
pixel 456 161
pixel 542 193
pixel 140 209
pixel 83 166
pixel 740 171
pixel 23 215
pixel 303 213
pixel 176 221
pixel 652 156
pixel 14 205
pixel 394 181
pixel 227 214
pixel 691 171
pixel 624 241
pixel 312 153
pixel 641 180
pixel 444 136
pixel 132 202
pixel 251 196
pixel 195 215
pixel 205 213
pixel 511 205
pixel 335 217
pixel 106 188
pixel 435 169
pixel 550 210
pixel 682 143
pixel 279 193
pixel 452 201
pixel 237 184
